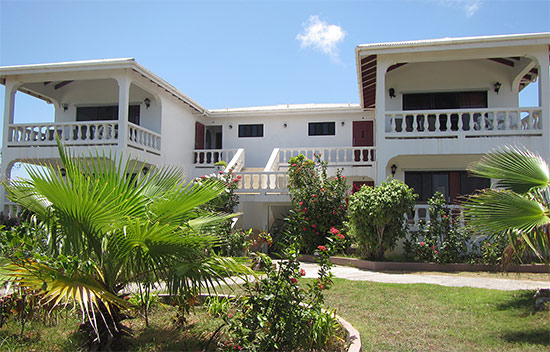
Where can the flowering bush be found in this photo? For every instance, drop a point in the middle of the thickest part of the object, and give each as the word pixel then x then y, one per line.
pixel 442 239
pixel 226 201
pixel 277 313
pixel 319 202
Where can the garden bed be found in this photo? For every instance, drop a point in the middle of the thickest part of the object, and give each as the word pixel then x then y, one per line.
pixel 353 339
pixel 411 266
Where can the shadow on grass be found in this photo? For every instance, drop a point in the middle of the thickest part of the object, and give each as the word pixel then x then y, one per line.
pixel 170 339
pixel 539 336
pixel 522 302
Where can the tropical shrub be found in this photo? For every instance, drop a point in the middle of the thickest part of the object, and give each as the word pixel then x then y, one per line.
pixel 104 232
pixel 234 241
pixel 377 216
pixel 519 207
pixel 319 202
pixel 277 313
pixel 443 239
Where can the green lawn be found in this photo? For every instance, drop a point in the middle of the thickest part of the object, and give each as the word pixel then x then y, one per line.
pixel 390 317
pixel 421 317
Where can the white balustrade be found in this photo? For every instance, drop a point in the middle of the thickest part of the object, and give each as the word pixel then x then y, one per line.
pixel 71 133
pixel 421 213
pixel 337 156
pixel 141 138
pixel 465 122
pixel 209 157
pixel 12 209
pixel 263 183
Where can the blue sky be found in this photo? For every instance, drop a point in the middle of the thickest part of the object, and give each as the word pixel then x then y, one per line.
pixel 244 53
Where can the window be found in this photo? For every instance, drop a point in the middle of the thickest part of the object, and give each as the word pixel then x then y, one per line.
pixel 251 130
pixel 106 113
pixel 322 129
pixel 452 184
pixel 447 100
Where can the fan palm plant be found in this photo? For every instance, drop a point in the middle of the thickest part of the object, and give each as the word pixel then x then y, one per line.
pixel 108 233
pixel 520 204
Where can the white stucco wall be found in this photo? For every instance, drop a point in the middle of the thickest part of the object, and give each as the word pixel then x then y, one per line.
pixel 451 76
pixel 295 135
pixel 178 134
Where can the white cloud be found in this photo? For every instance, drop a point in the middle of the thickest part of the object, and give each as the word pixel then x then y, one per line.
pixel 469 6
pixel 321 36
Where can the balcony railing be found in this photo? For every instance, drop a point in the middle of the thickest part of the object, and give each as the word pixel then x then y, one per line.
pixel 466 123
pixel 141 138
pixel 262 183
pixel 71 133
pixel 209 157
pixel 337 156
pixel 422 214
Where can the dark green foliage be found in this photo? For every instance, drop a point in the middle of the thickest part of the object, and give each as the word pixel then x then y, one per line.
pixel 377 216
pixel 279 314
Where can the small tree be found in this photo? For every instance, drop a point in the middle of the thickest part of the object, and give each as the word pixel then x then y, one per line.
pixel 319 202
pixel 377 216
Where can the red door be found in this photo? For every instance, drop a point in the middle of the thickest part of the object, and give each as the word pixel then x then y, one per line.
pixel 363 134
pixel 199 142
pixel 199 135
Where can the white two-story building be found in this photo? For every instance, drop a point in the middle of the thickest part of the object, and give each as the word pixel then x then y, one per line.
pixel 427 109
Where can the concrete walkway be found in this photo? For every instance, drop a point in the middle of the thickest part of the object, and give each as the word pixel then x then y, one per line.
pixel 350 273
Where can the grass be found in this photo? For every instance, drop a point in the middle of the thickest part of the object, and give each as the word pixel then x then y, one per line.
pixel 389 317
pixel 420 317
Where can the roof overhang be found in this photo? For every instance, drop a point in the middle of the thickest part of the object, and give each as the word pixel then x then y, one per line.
pixel 367 56
pixel 94 65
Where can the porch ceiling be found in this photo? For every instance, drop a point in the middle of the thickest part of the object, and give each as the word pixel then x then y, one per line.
pixel 368 76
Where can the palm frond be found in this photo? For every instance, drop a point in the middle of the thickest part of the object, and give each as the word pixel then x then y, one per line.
pixel 79 289
pixel 497 210
pixel 514 168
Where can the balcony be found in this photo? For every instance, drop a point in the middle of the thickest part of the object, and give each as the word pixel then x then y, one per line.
pixel 465 123
pixel 81 134
pixel 337 156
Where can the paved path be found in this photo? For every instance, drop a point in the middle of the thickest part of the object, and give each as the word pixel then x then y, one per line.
pixel 350 273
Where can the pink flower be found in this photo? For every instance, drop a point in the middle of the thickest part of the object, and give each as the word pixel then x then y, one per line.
pixel 304 229
pixel 314 195
pixel 322 248
pixel 301 203
pixel 221 172
pixel 302 272
pixel 239 177
pixel 307 219
pixel 444 216
pixel 294 165
pixel 203 177
pixel 421 243
pixel 321 286
pixel 334 230
pixel 340 236
pixel 293 280
pixel 314 226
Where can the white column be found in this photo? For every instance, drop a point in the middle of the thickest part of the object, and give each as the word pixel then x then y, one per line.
pixel 123 103
pixel 9 108
pixel 544 100
pixel 381 156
